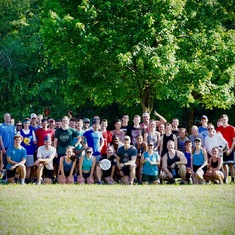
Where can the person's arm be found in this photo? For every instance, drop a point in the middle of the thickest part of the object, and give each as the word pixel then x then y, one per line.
pixel 34 138
pixel 72 168
pixel 142 160
pixel 118 163
pixel 192 163
pixel 101 144
pixel 93 166
pixel 158 141
pixel 15 164
pixel 80 165
pixel 46 160
pixel 157 162
pixel 162 119
pixel 55 142
pixel 205 159
pixel 61 166
pixel 161 144
pixel 113 171
pixel 220 163
pixel 175 141
pixel 2 146
pixel 183 159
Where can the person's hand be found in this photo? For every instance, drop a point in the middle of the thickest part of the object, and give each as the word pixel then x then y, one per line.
pixel 155 113
pixel 170 175
pixel 12 168
pixel 4 151
pixel 36 163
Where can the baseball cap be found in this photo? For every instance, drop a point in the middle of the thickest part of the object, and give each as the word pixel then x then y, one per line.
pixel 204 116
pixel 198 139
pixel 18 136
pixel 47 137
pixel 151 143
pixel 95 121
pixel 86 120
pixel 126 137
pixel 33 115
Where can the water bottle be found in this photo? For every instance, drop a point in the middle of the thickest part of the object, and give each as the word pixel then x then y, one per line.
pixel 173 172
pixel 75 178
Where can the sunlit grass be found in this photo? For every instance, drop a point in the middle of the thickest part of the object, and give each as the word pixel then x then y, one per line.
pixel 102 209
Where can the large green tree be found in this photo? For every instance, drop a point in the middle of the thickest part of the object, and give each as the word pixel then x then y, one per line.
pixel 137 51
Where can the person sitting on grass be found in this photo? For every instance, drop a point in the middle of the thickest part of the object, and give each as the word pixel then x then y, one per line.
pixel 44 163
pixel 87 165
pixel 67 167
pixel 126 158
pixel 215 171
pixel 198 162
pixel 173 164
pixel 150 160
pixel 16 158
pixel 107 175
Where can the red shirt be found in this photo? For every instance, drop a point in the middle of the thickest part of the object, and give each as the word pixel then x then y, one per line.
pixel 228 133
pixel 41 134
pixel 107 136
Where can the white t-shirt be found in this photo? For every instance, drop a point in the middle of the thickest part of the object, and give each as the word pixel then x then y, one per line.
pixel 44 153
pixel 216 140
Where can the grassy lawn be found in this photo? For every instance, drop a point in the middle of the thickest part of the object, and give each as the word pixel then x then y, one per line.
pixel 103 209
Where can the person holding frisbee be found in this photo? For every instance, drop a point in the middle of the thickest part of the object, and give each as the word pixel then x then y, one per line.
pixel 106 167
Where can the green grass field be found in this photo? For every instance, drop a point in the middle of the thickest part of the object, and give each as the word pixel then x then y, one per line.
pixel 118 209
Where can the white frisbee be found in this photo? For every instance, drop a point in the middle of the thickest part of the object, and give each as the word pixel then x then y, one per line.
pixel 105 164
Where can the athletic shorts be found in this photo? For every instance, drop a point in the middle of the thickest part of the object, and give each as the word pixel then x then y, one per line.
pixel 29 160
pixel 228 159
pixel 11 173
pixel 48 173
pixel 149 178
pixel 195 168
pixel 126 170
pixel 86 175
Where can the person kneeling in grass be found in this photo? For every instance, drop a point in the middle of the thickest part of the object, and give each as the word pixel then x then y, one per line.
pixel 215 172
pixel 173 164
pixel 16 158
pixel 108 174
pixel 150 161
pixel 67 166
pixel 87 164
pixel 44 164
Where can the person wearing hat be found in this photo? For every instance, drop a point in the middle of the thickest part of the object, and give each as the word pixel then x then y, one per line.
pixel 16 158
pixel 145 124
pixel 173 164
pixel 126 158
pixel 29 143
pixel 203 128
pixel 86 124
pixel 34 119
pixel 198 162
pixel 44 162
pixel 150 160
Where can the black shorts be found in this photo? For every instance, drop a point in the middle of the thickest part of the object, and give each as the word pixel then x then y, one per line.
pixel 48 173
pixel 11 173
pixel 149 178
pixel 195 168
pixel 228 159
pixel 86 175
pixel 126 170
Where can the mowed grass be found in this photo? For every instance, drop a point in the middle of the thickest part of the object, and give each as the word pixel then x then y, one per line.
pixel 118 209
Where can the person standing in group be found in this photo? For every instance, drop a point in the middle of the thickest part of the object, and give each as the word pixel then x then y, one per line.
pixel 34 122
pixel 175 126
pixel 198 162
pixel 150 161
pixel 203 128
pixel 7 132
pixel 214 139
pixel 44 163
pixel 181 139
pixel 125 123
pixel 168 135
pixel 16 158
pixel 107 135
pixel 145 124
pixel 29 143
pixel 87 165
pixel 195 134
pixel 67 167
pixel 86 124
pixel 162 119
pixel 63 138
pixel 126 158
pixel 118 131
pixel 135 130
pixel 94 139
pixel 228 132
pixel 152 135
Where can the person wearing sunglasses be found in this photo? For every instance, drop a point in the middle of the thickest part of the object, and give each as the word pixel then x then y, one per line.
pixel 87 164
pixel 150 160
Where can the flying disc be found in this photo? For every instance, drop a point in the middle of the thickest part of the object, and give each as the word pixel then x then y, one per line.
pixel 105 164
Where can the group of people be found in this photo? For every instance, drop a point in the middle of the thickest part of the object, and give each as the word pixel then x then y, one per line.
pixel 85 151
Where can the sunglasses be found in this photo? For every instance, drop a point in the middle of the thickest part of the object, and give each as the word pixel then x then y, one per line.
pixel 150 145
pixel 209 129
pixel 88 152
pixel 18 125
pixel 126 139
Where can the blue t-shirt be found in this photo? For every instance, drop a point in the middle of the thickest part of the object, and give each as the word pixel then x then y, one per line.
pixel 203 130
pixel 7 133
pixel 93 139
pixel 16 155
pixel 198 159
pixel 149 169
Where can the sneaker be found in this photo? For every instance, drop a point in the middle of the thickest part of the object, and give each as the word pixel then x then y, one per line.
pixel 39 183
pixel 182 183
